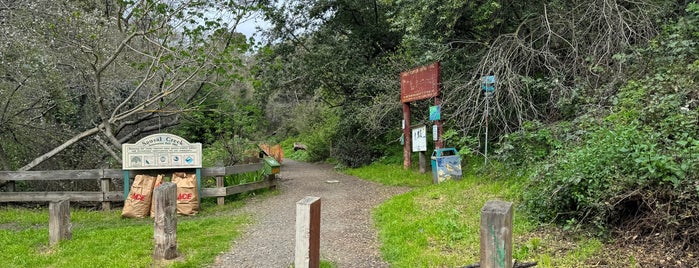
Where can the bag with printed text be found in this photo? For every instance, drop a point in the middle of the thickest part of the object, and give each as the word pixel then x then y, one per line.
pixel 187 194
pixel 137 204
pixel 158 182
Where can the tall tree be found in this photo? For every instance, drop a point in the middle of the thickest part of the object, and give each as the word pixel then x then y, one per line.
pixel 110 70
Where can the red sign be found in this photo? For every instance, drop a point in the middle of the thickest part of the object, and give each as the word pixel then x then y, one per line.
pixel 419 83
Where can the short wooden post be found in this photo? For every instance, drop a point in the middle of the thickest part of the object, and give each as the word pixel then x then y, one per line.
pixel 307 233
pixel 272 178
pixel 423 163
pixel 10 186
pixel 219 183
pixel 105 187
pixel 165 222
pixel 496 235
pixel 59 221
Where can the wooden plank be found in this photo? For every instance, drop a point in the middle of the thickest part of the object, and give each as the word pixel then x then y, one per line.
pixel 51 175
pixel 53 196
pixel 236 189
pixel 213 171
pixel 45 175
pixel 223 171
pixel 244 168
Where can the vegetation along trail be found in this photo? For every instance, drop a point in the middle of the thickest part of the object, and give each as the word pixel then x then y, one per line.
pixel 348 237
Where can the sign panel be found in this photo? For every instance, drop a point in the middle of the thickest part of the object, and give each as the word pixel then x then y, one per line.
pixel 420 139
pixel 488 83
pixel 435 113
pixel 419 83
pixel 161 151
pixel 435 133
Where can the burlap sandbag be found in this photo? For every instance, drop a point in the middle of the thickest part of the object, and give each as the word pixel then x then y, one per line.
pixel 187 194
pixel 137 204
pixel 158 182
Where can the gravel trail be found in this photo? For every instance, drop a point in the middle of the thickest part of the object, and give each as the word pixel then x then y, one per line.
pixel 348 237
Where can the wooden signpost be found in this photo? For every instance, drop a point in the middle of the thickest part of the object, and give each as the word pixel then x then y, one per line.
pixel 418 84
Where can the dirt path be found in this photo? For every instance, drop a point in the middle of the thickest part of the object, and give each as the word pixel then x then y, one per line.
pixel 348 237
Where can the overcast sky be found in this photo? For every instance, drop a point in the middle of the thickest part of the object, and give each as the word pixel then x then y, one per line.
pixel 249 27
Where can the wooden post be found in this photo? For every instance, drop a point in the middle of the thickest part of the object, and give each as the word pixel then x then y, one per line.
pixel 422 161
pixel 496 235
pixel 10 186
pixel 165 222
pixel 105 187
pixel 59 221
pixel 219 183
pixel 307 233
pixel 272 178
pixel 407 137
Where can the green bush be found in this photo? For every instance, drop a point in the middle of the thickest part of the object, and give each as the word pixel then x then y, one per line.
pixel 636 166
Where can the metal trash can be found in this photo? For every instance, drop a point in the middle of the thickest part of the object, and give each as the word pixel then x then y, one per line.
pixel 446 164
pixel 271 166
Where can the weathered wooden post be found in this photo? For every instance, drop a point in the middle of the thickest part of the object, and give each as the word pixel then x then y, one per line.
pixel 307 233
pixel 423 163
pixel 496 235
pixel 105 187
pixel 165 222
pixel 59 221
pixel 221 200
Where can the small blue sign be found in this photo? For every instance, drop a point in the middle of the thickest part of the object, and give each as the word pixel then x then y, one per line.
pixel 488 83
pixel 435 113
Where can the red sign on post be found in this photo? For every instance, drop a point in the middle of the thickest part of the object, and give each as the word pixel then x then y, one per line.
pixel 419 83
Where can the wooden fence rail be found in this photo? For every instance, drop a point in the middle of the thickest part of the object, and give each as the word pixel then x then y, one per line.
pixel 106 195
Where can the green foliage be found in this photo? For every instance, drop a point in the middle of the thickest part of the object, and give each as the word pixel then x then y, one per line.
pixel 642 155
pixel 533 143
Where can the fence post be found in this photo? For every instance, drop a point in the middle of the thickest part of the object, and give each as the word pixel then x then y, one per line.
pixel 105 187
pixel 59 221
pixel 165 222
pixel 496 235
pixel 307 233
pixel 219 183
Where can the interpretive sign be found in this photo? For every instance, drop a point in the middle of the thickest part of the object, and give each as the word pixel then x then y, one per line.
pixel 420 139
pixel 419 83
pixel 161 151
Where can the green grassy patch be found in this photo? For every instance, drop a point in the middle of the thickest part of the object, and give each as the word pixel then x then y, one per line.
pixel 104 239
pixel 438 225
pixel 388 174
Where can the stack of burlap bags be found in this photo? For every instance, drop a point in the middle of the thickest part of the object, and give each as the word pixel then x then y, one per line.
pixel 139 203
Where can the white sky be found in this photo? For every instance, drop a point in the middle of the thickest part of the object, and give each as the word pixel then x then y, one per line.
pixel 249 27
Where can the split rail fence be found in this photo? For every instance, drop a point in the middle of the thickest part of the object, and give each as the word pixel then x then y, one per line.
pixel 107 194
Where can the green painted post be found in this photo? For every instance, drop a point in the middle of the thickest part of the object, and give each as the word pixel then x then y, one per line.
pixel 126 184
pixel 198 172
pixel 496 235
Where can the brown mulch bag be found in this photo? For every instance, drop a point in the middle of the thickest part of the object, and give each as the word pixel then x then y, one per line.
pixel 187 194
pixel 158 182
pixel 137 205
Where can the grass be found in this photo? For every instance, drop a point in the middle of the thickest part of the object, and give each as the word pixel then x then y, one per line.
pixel 391 174
pixel 104 239
pixel 438 225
